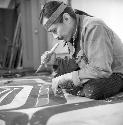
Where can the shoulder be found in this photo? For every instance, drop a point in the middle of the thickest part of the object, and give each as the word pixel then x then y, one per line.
pixel 88 21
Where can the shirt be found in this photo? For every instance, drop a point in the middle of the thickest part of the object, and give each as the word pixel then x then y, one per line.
pixel 99 52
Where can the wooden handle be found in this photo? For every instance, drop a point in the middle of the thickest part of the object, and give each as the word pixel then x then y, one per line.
pixel 51 51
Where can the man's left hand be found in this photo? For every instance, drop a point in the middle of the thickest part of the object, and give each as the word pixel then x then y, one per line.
pixel 64 79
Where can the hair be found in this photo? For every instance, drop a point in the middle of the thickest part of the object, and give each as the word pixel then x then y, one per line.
pixel 50 7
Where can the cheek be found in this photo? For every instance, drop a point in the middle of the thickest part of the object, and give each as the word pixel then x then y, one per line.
pixel 60 31
pixel 64 31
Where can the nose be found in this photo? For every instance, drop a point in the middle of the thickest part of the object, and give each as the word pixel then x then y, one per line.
pixel 55 36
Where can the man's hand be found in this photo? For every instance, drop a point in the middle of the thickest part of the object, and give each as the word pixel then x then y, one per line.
pixel 60 81
pixel 65 81
pixel 48 58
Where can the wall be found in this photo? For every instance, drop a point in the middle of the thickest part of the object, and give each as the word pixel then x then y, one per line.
pixel 34 36
pixel 7 26
pixel 111 11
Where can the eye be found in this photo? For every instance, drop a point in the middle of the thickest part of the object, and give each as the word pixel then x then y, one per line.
pixel 54 31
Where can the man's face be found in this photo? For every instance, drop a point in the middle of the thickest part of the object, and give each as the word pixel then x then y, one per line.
pixel 61 31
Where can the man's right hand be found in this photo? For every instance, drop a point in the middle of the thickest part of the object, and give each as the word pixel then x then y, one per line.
pixel 48 58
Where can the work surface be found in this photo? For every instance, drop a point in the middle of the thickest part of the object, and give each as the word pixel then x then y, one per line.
pixel 27 101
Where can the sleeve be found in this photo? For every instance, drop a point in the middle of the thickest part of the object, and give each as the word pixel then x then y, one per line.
pixel 65 65
pixel 99 51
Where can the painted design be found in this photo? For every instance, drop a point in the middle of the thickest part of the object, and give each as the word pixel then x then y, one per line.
pixel 32 102
pixel 28 95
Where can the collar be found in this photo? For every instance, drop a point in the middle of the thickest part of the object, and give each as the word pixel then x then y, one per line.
pixel 76 28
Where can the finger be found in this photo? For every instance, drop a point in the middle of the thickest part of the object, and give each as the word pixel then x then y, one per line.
pixel 55 82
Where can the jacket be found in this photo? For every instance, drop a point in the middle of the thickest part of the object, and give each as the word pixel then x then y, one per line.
pixel 98 53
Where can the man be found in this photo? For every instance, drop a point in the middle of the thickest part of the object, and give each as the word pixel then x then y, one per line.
pixel 95 65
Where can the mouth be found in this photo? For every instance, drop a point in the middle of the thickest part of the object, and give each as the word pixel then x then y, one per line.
pixel 60 38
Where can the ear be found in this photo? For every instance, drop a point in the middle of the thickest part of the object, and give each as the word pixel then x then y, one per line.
pixel 66 18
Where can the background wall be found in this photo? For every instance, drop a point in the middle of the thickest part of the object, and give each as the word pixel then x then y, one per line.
pixel 111 11
pixel 34 35
pixel 7 26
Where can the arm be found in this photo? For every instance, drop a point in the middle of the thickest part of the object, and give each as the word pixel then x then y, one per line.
pixel 64 65
pixel 99 52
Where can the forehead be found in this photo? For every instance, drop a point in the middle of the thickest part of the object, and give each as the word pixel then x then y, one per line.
pixel 44 21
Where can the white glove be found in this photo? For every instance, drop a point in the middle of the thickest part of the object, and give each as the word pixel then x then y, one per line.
pixel 73 76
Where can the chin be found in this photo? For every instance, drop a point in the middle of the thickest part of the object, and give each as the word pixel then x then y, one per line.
pixel 65 39
pixel 68 40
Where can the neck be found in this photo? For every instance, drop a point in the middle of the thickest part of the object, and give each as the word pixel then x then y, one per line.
pixel 73 31
pixel 74 25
